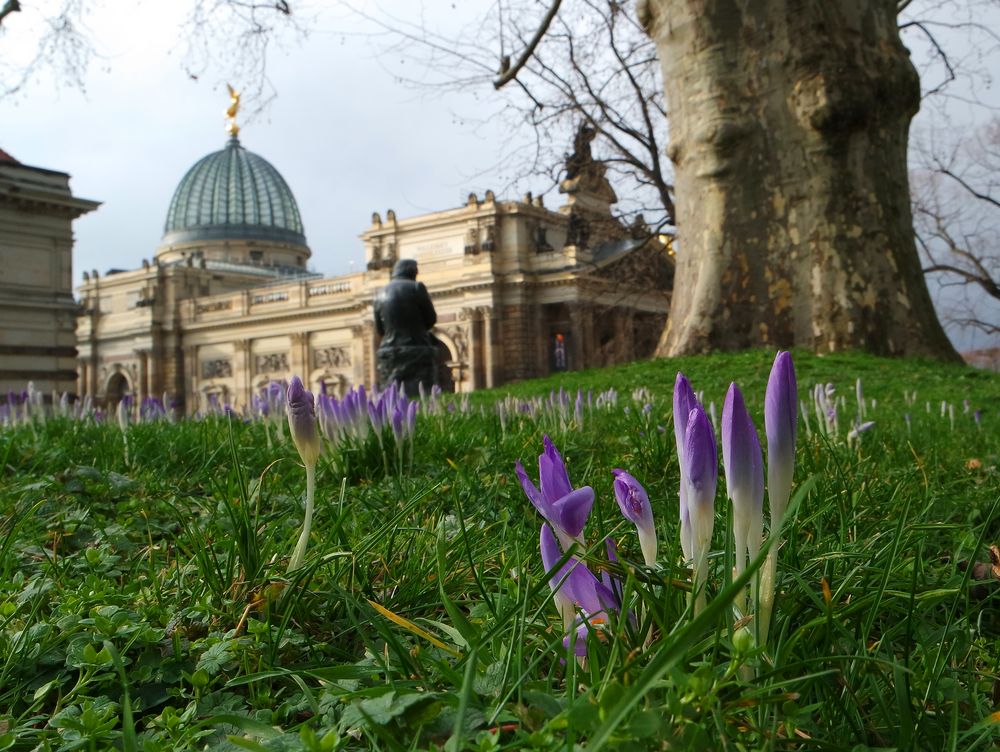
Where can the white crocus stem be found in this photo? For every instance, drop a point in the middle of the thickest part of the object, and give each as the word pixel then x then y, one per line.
pixel 766 595
pixel 299 554
pixel 647 542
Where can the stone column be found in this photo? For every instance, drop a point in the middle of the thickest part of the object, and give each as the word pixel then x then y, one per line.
pixel 152 375
pixel 578 325
pixel 488 345
pixel 473 345
pixel 370 339
pixel 83 380
pixel 298 359
pixel 242 372
pixel 359 355
pixel 191 399
pixel 142 383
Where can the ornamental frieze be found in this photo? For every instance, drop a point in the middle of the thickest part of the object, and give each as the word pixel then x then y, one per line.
pixel 332 357
pixel 220 368
pixel 270 363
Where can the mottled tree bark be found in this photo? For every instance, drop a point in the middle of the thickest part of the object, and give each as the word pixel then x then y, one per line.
pixel 788 133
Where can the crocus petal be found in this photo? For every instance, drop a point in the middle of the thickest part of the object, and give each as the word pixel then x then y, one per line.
pixel 551 553
pixel 743 463
pixel 552 475
pixel 533 494
pixel 701 459
pixel 780 422
pixel 579 641
pixel 701 463
pixel 302 421
pixel 570 585
pixel 397 424
pixel 586 591
pixel 684 402
pixel 571 511
pixel 741 453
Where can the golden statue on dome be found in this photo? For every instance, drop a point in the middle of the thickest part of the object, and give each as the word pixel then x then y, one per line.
pixel 234 105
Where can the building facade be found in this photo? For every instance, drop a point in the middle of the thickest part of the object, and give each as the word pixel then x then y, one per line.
pixel 37 310
pixel 227 304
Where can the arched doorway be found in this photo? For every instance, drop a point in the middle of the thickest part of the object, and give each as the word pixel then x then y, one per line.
pixel 116 389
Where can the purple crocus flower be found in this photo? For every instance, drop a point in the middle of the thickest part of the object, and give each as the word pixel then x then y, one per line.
pixel 684 401
pixel 701 474
pixel 376 415
pixel 302 421
pixel 780 423
pixel 327 410
pixel 563 507
pixel 575 588
pixel 397 423
pixel 274 393
pixel 634 503
pixel 744 466
pixel 411 417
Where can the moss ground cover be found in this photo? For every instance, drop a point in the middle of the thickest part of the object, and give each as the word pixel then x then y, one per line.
pixel 146 603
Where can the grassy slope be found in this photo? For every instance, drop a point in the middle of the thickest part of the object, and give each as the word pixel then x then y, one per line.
pixel 174 562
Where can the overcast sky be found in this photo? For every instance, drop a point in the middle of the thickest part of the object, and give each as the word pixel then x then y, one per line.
pixel 346 135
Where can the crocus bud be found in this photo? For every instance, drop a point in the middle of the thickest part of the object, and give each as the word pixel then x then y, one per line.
pixel 780 422
pixel 701 474
pixel 302 422
pixel 121 412
pixel 684 401
pixel 744 466
pixel 634 503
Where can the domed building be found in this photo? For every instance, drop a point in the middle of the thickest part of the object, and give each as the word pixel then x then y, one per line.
pixel 227 303
pixel 233 206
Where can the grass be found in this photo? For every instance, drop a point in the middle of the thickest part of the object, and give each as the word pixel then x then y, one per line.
pixel 144 605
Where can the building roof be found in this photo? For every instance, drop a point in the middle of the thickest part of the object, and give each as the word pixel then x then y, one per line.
pixel 5 157
pixel 233 194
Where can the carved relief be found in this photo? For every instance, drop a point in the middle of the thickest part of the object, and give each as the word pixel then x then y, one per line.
pixel 332 357
pixel 458 335
pixel 270 363
pixel 219 368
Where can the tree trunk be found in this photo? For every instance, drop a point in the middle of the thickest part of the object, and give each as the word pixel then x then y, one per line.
pixel 788 133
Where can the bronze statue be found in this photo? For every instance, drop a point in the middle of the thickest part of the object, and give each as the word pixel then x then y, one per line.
pixel 234 106
pixel 404 315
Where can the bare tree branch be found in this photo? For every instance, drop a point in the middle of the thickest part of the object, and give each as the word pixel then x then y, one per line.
pixel 508 75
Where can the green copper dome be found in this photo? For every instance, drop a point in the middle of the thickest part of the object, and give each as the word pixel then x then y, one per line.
pixel 233 194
